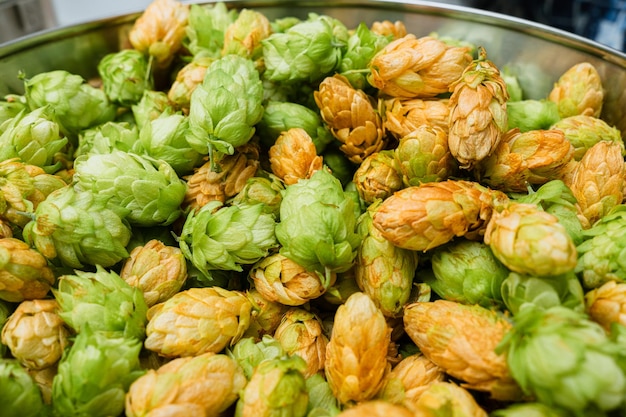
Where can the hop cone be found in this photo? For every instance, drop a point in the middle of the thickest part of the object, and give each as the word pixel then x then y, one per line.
pixel 322 402
pixel 585 131
pixel 467 272
pixel 243 37
pixel 293 156
pixel 95 374
pixel 261 189
pixel 402 117
pixel 103 301
pixel 565 360
pixel 277 388
pixel 203 385
pixel 447 397
pixel 478 116
pixel 378 177
pixel 24 272
pixel 226 106
pixel 356 356
pixel 351 117
pixel 317 225
pixel 196 321
pixel 394 30
pixel 376 408
pixel 523 159
pixel 34 138
pixel 204 33
pixel 530 241
pixel 578 91
pixel 527 115
pixel 307 51
pixel 148 188
pixel 249 353
pixel 606 304
pixel 125 76
pixel 227 237
pixel 599 255
pixel 431 214
pixel 362 45
pixel 160 30
pixel 266 315
pixel 106 138
pixel 19 394
pixel 461 339
pixel 77 105
pixel 187 79
pixel 36 334
pixel 383 271
pixel 411 67
pixel 152 105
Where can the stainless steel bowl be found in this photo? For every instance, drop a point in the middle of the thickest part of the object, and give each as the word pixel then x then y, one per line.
pixel 536 53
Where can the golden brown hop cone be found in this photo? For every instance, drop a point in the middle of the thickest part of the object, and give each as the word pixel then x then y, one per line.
pixel 378 177
pixel 461 339
pixel 431 214
pixel 356 356
pixel 395 29
pixel 607 304
pixel 522 159
pixel 207 184
pixel 597 181
pixel 578 91
pixel 351 116
pixel 478 115
pixel 187 79
pixel 402 117
pixel 293 156
pixel 411 67
pixel 160 30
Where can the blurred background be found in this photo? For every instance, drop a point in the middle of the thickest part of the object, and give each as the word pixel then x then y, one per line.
pixel 600 20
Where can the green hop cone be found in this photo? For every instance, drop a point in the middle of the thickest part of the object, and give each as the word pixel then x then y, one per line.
pixel 103 301
pixel 277 388
pixel 600 253
pixel 125 76
pixel 317 225
pixel 225 108
pixel 383 271
pixel 249 353
pixel 95 374
pixel 77 105
pixel 532 114
pixel 531 409
pixel 322 402
pixel 467 272
pixel 106 138
pixel 261 189
pixel 227 237
pixel 306 51
pixel 205 29
pixel 565 360
pixel 34 137
pixel 362 45
pixel 19 393
pixel 79 228
pixel 556 198
pixel 152 105
pixel 280 116
pixel 513 86
pixel 519 291
pixel 584 131
pixel 165 138
pixel 150 189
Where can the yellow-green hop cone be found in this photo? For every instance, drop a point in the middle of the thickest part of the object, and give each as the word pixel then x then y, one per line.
pixel 461 339
pixel 529 240
pixel 376 408
pixel 158 270
pixel 607 304
pixel 578 91
pixel 196 321
pixel 409 379
pixel 24 272
pixel 95 374
pixel 152 105
pixel 356 356
pixel 383 271
pixel 277 388
pixel 244 36
pixel 402 117
pixel 300 333
pixel 362 45
pixel 203 385
pixel 204 33
pixel 447 399
pixel 125 76
pixel 102 301
pixel 565 360
pixel 377 177
pixel 585 131
pixel 249 352
pixel 36 334
pixel 20 395
pixel 266 315
pixel 264 188
pixel 106 137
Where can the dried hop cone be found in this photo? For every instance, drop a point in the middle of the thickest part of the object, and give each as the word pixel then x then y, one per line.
pixel 351 117
pixel 478 116
pixel 402 117
pixel 378 177
pixel 376 408
pixel 395 29
pixel 293 156
pixel 461 339
pixel 447 397
pixel 431 214
pixel 411 67
pixel 607 304
pixel 187 79
pixel 578 91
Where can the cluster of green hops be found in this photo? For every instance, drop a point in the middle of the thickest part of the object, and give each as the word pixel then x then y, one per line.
pixel 308 220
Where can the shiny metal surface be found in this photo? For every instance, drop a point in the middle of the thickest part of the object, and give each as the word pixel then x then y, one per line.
pixel 536 53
